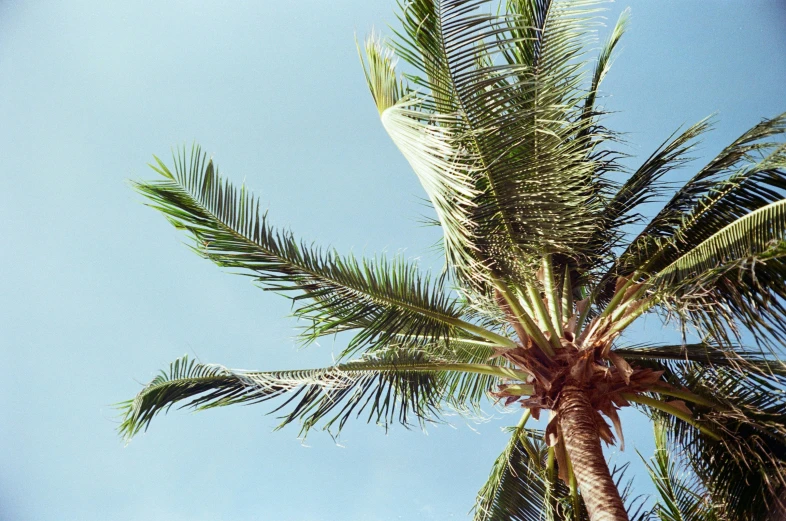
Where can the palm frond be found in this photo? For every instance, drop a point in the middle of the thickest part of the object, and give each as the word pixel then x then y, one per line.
pixel 482 76
pixel 442 163
pixel 757 234
pixel 744 177
pixel 682 496
pixel 616 200
pixel 605 60
pixel 392 385
pixel 377 298
pixel 715 251
pixel 733 276
pixel 641 187
pixel 739 357
pixel 464 390
pixel 743 464
pixel 745 150
pixel 518 487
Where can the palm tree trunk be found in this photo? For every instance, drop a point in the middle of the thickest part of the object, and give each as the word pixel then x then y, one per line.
pixel 582 443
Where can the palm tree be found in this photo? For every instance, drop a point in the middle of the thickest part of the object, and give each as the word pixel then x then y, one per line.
pixel 498 115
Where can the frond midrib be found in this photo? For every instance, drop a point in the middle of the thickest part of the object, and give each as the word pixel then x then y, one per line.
pixel 355 367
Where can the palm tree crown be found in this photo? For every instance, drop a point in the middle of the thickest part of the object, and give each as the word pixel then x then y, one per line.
pixel 497 114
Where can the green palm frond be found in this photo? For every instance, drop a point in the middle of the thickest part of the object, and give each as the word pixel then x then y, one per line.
pixel 746 176
pixel 519 487
pixel 378 298
pixel 605 60
pixel 760 233
pixel 464 390
pixel 739 269
pixel 420 43
pixel 753 189
pixel 744 151
pixel 393 385
pixel 714 253
pixel 742 358
pixel 682 496
pixel 480 77
pixel 749 190
pixel 641 187
pixel 442 163
pixel 745 469
pixel 379 68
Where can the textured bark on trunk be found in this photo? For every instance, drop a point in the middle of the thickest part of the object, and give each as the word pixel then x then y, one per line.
pixel 583 447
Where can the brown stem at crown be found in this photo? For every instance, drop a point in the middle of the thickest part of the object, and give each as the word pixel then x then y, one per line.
pixel 582 443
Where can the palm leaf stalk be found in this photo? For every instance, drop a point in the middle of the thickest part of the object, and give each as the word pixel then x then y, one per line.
pixel 499 113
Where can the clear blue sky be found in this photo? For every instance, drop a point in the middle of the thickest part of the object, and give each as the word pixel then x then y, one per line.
pixel 98 292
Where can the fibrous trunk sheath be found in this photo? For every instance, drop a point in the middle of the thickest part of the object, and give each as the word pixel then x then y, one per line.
pixel 582 444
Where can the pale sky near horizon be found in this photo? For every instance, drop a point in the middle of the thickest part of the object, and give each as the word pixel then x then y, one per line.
pixel 97 292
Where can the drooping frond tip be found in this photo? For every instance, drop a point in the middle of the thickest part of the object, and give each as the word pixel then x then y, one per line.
pixel 390 387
